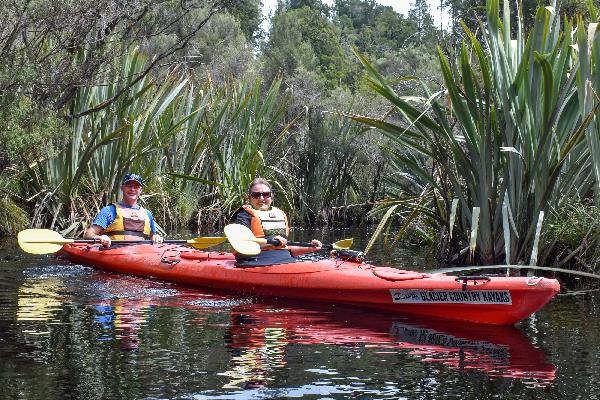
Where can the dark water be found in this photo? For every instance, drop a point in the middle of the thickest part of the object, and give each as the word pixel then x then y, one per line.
pixel 70 332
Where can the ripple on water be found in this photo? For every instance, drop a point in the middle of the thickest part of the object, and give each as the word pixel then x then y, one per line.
pixel 57 271
pixel 324 391
pixel 107 286
pixel 115 290
pixel 225 303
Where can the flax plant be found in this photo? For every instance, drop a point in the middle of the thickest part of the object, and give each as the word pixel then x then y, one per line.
pixel 235 135
pixel 506 125
pixel 253 133
pixel 103 146
pixel 218 139
pixel 328 163
pixel 587 51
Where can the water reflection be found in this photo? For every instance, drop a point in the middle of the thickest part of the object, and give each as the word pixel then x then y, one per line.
pixel 259 333
pixel 124 318
pixel 39 299
pixel 257 350
pixel 496 351
pixel 255 342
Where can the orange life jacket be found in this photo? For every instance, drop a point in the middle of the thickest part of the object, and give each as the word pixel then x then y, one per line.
pixel 268 223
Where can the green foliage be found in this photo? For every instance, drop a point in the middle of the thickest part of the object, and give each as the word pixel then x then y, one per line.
pixel 231 137
pixel 78 108
pixel 472 12
pixel 398 45
pixel 12 217
pixel 222 49
pixel 49 48
pixel 216 137
pixel 573 233
pixel 572 223
pixel 505 129
pixel 318 5
pixel 419 14
pixel 248 15
pixel 329 160
pixel 170 204
pixel 304 37
pixel 103 146
pixel 380 31
pixel 358 12
pixel 28 133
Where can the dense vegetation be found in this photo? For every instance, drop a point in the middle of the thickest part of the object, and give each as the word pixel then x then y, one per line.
pixel 450 137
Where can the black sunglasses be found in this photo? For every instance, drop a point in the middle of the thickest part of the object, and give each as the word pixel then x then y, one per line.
pixel 258 195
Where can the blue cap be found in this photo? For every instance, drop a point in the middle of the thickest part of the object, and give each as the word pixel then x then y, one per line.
pixel 132 177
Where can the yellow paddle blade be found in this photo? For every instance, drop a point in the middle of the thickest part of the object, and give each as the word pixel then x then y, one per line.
pixel 41 241
pixel 205 242
pixel 242 239
pixel 344 244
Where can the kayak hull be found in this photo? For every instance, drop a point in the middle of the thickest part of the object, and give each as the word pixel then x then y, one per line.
pixel 486 300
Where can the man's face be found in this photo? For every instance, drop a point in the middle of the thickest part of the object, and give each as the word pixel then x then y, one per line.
pixel 131 190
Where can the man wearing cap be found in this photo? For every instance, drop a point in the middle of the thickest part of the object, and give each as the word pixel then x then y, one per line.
pixel 125 220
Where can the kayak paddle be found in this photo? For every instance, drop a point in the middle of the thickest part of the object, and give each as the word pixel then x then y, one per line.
pixel 46 241
pixel 244 242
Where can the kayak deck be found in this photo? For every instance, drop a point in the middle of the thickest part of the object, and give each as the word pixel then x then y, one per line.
pixel 488 300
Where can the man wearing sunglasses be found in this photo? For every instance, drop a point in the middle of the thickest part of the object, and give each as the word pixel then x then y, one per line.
pixel 125 220
pixel 266 221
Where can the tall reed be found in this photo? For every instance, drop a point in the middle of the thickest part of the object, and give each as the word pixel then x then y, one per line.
pixel 234 135
pixel 508 126
pixel 198 148
pixel 333 169
pixel 126 136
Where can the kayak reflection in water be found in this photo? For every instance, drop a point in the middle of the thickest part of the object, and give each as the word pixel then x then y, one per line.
pixel 263 338
pixel 123 318
pixel 266 221
pixel 257 351
pixel 260 334
pixel 125 220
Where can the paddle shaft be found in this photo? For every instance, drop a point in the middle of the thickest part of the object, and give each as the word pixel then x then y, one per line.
pixel 245 242
pixel 45 241
pixel 276 242
pixel 135 241
pixel 65 241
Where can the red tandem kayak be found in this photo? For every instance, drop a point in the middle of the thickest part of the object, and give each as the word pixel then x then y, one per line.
pixel 480 299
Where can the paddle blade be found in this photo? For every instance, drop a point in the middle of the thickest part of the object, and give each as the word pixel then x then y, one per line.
pixel 41 241
pixel 242 239
pixel 206 242
pixel 342 244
